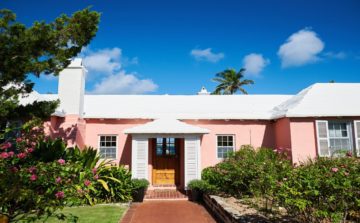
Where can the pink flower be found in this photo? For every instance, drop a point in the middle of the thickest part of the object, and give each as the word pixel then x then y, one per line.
pixel 18 139
pixel 349 154
pixel 21 155
pixel 61 161
pixel 4 155
pixel 346 173
pixel 32 169
pixel 33 177
pixel 6 145
pixel 11 154
pixel 80 191
pixel 58 180
pixel 30 150
pixel 94 170
pixel 60 195
pixel 96 177
pixel 87 183
pixel 334 169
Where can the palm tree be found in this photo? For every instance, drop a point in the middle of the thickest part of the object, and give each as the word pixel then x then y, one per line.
pixel 231 81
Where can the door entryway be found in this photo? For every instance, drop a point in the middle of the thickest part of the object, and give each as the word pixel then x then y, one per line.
pixel 166 161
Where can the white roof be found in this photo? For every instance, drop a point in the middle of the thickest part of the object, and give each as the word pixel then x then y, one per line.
pixel 318 100
pixel 322 100
pixel 182 106
pixel 166 126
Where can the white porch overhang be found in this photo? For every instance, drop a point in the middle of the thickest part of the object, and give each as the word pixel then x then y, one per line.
pixel 166 126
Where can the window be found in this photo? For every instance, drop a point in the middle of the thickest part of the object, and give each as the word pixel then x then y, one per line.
pixel 339 136
pixel 108 145
pixel 225 144
pixel 165 146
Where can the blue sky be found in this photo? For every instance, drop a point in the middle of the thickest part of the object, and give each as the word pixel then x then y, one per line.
pixel 175 47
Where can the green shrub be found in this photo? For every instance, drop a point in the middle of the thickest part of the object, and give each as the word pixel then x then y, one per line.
pixel 322 190
pixel 139 184
pixel 114 184
pixel 200 185
pixel 248 172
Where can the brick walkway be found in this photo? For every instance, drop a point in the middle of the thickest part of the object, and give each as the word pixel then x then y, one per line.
pixel 165 195
pixel 167 212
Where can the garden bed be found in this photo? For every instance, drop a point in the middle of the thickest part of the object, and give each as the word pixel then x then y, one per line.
pixel 238 210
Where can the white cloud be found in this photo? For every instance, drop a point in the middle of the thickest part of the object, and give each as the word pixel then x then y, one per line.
pixel 332 55
pixel 122 83
pixel 107 65
pixel 104 60
pixel 254 63
pixel 206 55
pixel 301 48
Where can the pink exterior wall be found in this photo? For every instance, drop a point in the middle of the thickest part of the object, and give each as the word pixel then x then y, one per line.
pixel 256 133
pixel 303 139
pixel 96 127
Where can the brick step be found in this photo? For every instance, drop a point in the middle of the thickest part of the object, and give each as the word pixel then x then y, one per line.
pixel 167 194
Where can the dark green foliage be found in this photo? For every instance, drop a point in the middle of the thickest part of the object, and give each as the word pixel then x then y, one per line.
pixel 231 81
pixel 200 185
pixel 139 184
pixel 88 156
pixel 43 48
pixel 49 150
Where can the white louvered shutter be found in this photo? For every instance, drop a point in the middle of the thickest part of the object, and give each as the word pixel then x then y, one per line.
pixel 140 158
pixel 322 133
pixel 192 159
pixel 357 137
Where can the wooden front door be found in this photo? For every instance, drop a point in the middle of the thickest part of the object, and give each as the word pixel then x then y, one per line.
pixel 165 161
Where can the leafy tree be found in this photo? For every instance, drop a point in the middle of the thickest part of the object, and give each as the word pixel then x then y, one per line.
pixel 231 81
pixel 41 49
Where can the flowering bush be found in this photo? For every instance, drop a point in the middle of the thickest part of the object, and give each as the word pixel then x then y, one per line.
pixel 39 175
pixel 322 190
pixel 249 172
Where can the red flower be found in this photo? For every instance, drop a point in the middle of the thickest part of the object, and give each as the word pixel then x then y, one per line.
pixel 94 170
pixel 11 154
pixel 334 169
pixel 18 139
pixel 4 155
pixel 60 195
pixel 61 161
pixel 87 183
pixel 349 154
pixel 30 150
pixel 21 155
pixel 33 177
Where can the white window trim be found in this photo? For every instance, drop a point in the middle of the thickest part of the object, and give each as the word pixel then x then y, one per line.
pixel 116 148
pixel 216 144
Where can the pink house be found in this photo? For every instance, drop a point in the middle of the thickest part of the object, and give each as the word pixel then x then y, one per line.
pixel 169 139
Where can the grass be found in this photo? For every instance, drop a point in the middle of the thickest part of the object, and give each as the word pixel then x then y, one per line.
pixel 89 214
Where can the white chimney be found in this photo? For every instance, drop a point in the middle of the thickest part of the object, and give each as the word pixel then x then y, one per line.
pixel 203 91
pixel 71 88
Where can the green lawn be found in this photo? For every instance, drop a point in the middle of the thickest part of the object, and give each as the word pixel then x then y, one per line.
pixel 96 214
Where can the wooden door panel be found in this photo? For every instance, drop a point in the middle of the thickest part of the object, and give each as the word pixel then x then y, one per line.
pixel 165 167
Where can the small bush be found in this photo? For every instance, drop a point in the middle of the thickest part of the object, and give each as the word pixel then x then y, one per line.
pixel 200 185
pixel 138 184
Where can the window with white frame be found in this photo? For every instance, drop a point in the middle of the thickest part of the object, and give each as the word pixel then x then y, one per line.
pixel 339 136
pixel 108 145
pixel 225 144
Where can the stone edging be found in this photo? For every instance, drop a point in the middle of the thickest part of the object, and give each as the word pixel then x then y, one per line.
pixel 226 214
